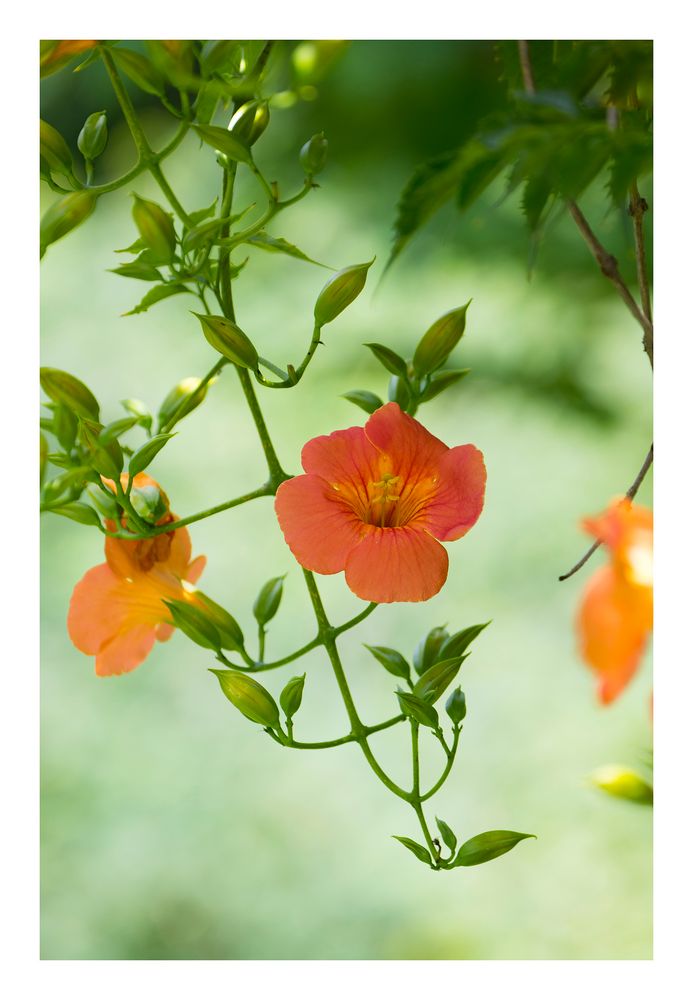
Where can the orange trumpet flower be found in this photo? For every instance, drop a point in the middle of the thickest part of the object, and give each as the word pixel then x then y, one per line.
pixel 615 616
pixel 117 609
pixel 376 502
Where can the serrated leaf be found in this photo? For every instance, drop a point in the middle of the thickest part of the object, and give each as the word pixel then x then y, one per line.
pixel 389 359
pixel 418 850
pixel 154 295
pixel 367 401
pixel 393 661
pixel 430 187
pixel 536 193
pixel 487 846
pixel 200 214
pixel 275 244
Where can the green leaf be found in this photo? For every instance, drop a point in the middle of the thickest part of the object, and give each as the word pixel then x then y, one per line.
pixel 389 359
pixel 479 165
pixel 201 214
pixel 418 710
pixel 292 695
pixel 440 381
pixel 398 392
pixel 456 644
pixel 222 140
pixel 138 269
pixel 535 196
pixel 80 512
pixel 147 453
pixel 249 697
pixel 433 682
pixel 418 850
pixel 116 428
pixel 275 244
pixel 140 70
pixel 64 426
pixel 393 661
pixel 267 602
pixel 64 388
pixel 367 401
pixel 426 653
pixel 154 295
pixel 431 185
pixel 487 846
pixel 449 838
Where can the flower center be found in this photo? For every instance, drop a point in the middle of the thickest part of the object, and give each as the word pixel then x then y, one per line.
pixel 383 505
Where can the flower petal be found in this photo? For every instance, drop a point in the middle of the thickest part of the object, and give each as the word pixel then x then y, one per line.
pixel 414 451
pixel 319 526
pixel 125 651
pixel 396 564
pixel 614 620
pixel 346 459
pixel 459 500
pixel 195 569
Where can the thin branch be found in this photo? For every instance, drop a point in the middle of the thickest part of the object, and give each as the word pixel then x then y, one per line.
pixel 526 67
pixel 635 486
pixel 638 206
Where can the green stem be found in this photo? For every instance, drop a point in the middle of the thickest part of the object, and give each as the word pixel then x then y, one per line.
pixel 448 767
pixel 143 148
pixel 191 401
pixel 157 173
pixel 277 474
pixel 149 532
pixel 349 738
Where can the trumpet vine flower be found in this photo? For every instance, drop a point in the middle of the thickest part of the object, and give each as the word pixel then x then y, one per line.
pixel 117 609
pixel 615 615
pixel 377 501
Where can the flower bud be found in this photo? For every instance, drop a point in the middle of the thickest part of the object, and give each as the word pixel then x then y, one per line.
pixel 622 783
pixel 339 292
pixel 64 216
pixel 226 625
pixel 439 340
pixel 456 706
pixel 149 502
pixel 54 150
pixel 94 136
pixel 267 602
pixel 292 695
pixel 313 155
pixel 179 401
pixel 227 338
pixel 250 121
pixel 67 390
pixel 155 227
pixel 194 623
pixel 249 697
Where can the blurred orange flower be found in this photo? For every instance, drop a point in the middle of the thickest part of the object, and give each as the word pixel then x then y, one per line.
pixel 377 501
pixel 55 54
pixel 615 616
pixel 117 609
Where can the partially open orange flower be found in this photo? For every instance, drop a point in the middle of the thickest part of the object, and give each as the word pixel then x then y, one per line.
pixel 377 501
pixel 55 54
pixel 117 608
pixel 615 616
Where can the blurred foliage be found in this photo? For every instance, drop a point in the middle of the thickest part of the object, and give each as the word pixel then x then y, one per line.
pixel 148 780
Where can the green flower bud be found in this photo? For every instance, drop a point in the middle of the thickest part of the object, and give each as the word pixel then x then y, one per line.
pixel 179 400
pixel 227 338
pixel 339 292
pixel 267 602
pixel 250 121
pixel 54 150
pixel 149 502
pixel 292 695
pixel 622 783
pixel 194 623
pixel 155 227
pixel 456 706
pixel 67 390
pixel 64 216
pixel 226 625
pixel 313 155
pixel 437 343
pixel 94 136
pixel 249 697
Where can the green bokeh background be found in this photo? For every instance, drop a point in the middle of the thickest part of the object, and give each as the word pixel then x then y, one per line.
pixel 172 828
